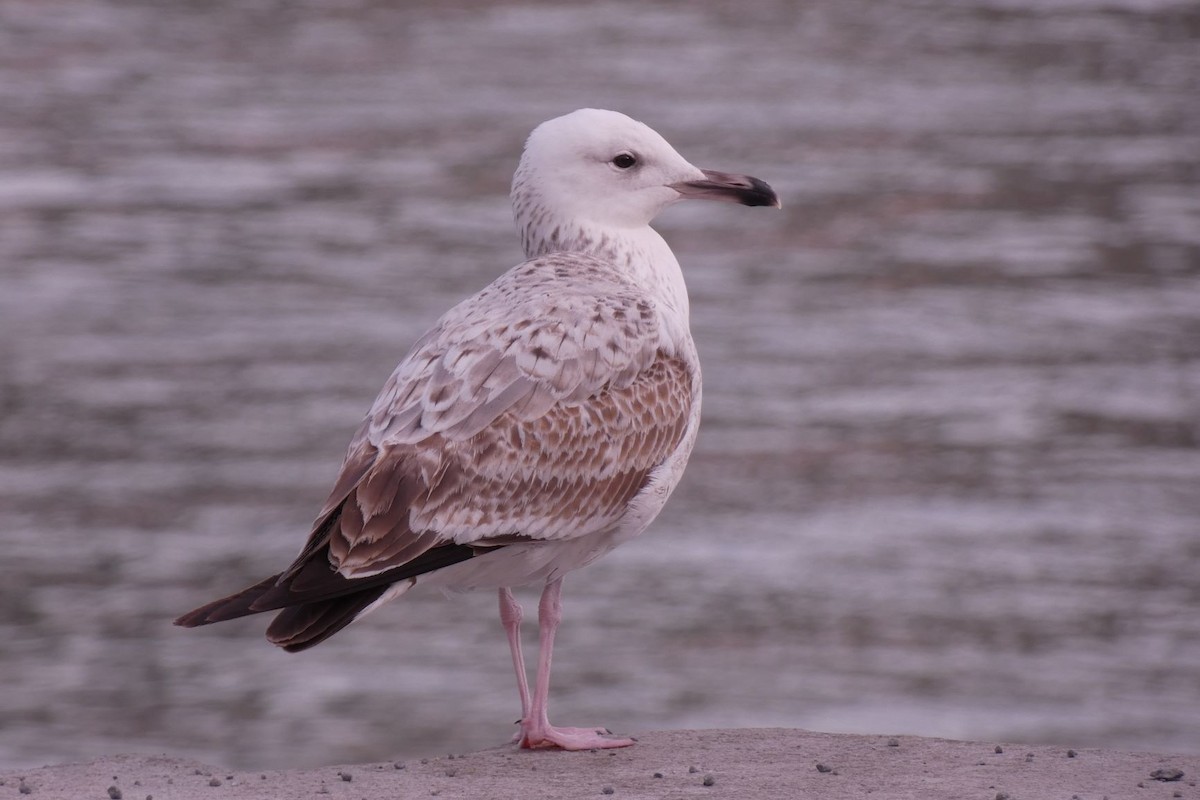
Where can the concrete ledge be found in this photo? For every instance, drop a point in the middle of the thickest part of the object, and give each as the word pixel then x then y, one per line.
pixel 741 763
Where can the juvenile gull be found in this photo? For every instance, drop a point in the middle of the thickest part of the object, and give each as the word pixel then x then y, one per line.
pixel 539 424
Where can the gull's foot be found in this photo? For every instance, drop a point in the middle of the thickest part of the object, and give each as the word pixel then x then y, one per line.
pixel 545 737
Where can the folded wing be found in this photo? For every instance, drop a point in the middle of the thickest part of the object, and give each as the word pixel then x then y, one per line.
pixel 515 419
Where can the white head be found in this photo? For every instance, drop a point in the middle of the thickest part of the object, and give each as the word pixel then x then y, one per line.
pixel 603 171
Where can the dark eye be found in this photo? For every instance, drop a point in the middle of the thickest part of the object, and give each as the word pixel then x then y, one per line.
pixel 624 160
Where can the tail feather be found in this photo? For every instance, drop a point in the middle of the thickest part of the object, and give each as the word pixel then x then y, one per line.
pixel 314 600
pixel 300 627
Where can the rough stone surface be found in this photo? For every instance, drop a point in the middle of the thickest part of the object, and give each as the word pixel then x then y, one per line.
pixel 760 763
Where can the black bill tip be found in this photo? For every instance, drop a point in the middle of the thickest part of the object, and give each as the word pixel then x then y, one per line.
pixel 744 189
pixel 759 194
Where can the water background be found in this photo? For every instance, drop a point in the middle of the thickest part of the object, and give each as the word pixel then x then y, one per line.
pixel 948 481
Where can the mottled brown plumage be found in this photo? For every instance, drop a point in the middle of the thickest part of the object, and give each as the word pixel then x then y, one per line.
pixel 537 425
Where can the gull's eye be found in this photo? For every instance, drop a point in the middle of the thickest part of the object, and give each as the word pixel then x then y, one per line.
pixel 624 160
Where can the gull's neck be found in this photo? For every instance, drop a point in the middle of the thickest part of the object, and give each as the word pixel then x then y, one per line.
pixel 639 253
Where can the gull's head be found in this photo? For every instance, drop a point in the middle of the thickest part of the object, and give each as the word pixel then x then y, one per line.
pixel 604 169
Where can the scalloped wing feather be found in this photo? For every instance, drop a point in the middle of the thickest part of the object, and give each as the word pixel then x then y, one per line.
pixel 543 428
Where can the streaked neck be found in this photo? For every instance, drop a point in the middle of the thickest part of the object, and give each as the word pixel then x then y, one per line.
pixel 640 253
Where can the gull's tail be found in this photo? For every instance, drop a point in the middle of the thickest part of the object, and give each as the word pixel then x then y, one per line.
pixel 315 601
pixel 294 628
pixel 300 627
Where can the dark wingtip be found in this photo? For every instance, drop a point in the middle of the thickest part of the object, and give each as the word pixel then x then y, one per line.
pixel 236 605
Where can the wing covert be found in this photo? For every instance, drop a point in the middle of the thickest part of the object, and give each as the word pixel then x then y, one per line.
pixel 490 429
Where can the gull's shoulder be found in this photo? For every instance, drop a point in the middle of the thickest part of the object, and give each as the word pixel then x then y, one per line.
pixel 556 328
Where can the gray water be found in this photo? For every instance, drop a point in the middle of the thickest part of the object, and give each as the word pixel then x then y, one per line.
pixel 947 481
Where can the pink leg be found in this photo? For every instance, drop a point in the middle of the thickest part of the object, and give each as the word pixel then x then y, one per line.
pixel 510 618
pixel 536 730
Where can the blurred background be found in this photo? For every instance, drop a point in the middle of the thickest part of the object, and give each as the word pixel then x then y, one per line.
pixel 948 481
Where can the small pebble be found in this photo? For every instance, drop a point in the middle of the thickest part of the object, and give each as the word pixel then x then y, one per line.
pixel 1071 754
pixel 450 773
pixel 399 765
pixel 1028 757
pixel 424 760
pixel 24 788
pixel 114 793
pixel 824 768
pixel 893 742
pixel 214 781
pixel 607 790
pixel 999 749
pixel 658 774
pixel 1177 793
pixel 1165 774
pixel 346 776
pixel 1003 796
pixel 709 780
pixel 693 770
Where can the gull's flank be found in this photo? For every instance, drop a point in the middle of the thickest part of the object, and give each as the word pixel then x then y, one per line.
pixel 539 424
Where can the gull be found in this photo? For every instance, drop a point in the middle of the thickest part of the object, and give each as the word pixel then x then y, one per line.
pixel 536 426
